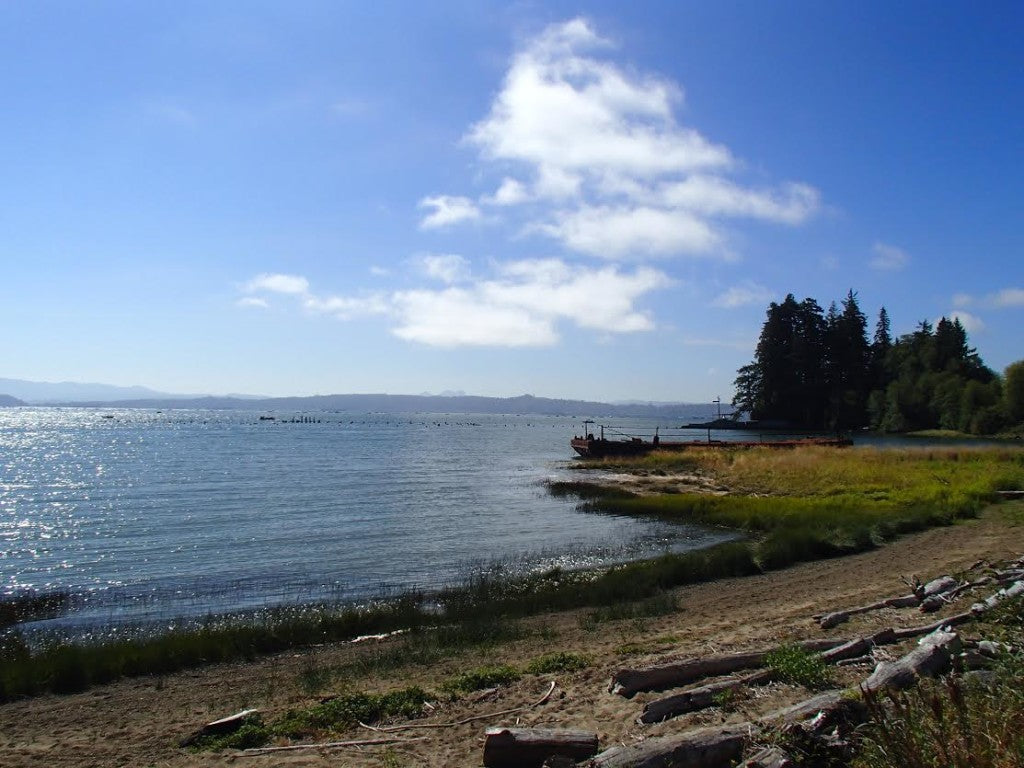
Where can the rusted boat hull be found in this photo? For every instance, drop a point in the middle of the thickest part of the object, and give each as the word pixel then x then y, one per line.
pixel 597 448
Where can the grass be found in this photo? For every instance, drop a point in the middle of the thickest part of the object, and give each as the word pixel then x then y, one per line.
pixel 798 666
pixel 793 506
pixel 480 678
pixel 559 661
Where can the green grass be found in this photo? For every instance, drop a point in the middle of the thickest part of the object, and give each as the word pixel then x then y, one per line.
pixel 480 678
pixel 798 666
pixel 559 661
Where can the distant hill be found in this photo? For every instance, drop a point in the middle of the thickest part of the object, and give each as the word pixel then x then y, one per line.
pixel 525 404
pixel 44 392
pixel 6 401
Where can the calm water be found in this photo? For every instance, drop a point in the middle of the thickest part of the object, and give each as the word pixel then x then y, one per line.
pixel 144 514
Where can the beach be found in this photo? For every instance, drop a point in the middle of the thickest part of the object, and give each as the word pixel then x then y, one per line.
pixel 141 721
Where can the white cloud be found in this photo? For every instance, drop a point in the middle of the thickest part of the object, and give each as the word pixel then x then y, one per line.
pixel 447 210
pixel 347 307
pixel 602 164
pixel 627 232
pixel 278 283
pixel 252 301
pixel 522 305
pixel 511 192
pixel 962 300
pixel 971 323
pixel 888 257
pixel 378 271
pixel 743 295
pixel 447 267
pixel 1009 297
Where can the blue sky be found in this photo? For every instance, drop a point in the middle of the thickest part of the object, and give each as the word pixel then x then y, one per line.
pixel 589 200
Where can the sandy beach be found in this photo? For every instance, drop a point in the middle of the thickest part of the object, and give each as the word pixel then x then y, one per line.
pixel 139 722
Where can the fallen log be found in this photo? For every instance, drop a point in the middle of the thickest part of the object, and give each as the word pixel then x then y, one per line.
pixel 698 698
pixel 704 748
pixel 939 586
pixel 949 621
pixel 859 646
pixel 628 682
pixel 1008 593
pixel 221 727
pixel 835 618
pixel 514 747
pixel 933 655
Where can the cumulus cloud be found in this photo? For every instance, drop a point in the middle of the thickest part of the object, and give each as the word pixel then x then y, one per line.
pixel 888 257
pixel 521 305
pixel 598 156
pixel 742 295
pixel 447 210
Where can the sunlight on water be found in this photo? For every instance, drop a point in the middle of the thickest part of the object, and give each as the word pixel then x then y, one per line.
pixel 141 514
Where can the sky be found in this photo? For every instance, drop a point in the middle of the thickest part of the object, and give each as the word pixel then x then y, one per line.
pixel 591 200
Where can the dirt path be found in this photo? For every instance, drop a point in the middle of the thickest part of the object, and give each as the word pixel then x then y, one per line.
pixel 139 722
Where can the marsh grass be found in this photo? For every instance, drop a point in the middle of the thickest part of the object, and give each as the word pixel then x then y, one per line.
pixel 558 661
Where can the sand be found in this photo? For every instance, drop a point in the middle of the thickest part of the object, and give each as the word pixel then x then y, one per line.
pixel 139 722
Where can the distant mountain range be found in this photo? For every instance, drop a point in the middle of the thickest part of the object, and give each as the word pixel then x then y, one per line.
pixel 104 395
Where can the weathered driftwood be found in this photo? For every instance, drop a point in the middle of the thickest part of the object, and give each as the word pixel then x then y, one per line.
pixel 921 593
pixel 934 654
pixel 1016 589
pixel 225 725
pixel 835 618
pixel 512 747
pixel 698 698
pixel 859 646
pixel 949 621
pixel 628 682
pixel 704 748
pixel 705 696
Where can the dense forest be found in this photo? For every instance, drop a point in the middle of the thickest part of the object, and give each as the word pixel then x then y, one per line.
pixel 820 370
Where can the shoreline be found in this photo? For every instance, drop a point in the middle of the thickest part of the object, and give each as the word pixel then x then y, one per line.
pixel 139 721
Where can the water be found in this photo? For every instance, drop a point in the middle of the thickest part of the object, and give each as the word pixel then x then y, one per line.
pixel 144 514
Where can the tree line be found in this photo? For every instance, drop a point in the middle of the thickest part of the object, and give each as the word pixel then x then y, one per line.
pixel 816 369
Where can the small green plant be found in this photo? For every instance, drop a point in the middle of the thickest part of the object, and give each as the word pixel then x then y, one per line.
pixel 559 661
pixel 480 678
pixel 252 733
pixel 797 666
pixel 726 699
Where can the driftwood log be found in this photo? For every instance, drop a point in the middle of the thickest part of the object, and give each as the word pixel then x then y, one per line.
pixel 703 748
pixel 705 696
pixel 524 747
pixel 769 757
pixel 933 655
pixel 698 698
pixel 630 681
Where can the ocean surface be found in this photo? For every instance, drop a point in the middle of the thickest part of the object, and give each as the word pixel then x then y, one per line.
pixel 146 514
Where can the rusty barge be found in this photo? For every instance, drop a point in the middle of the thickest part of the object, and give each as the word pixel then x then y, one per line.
pixel 590 446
